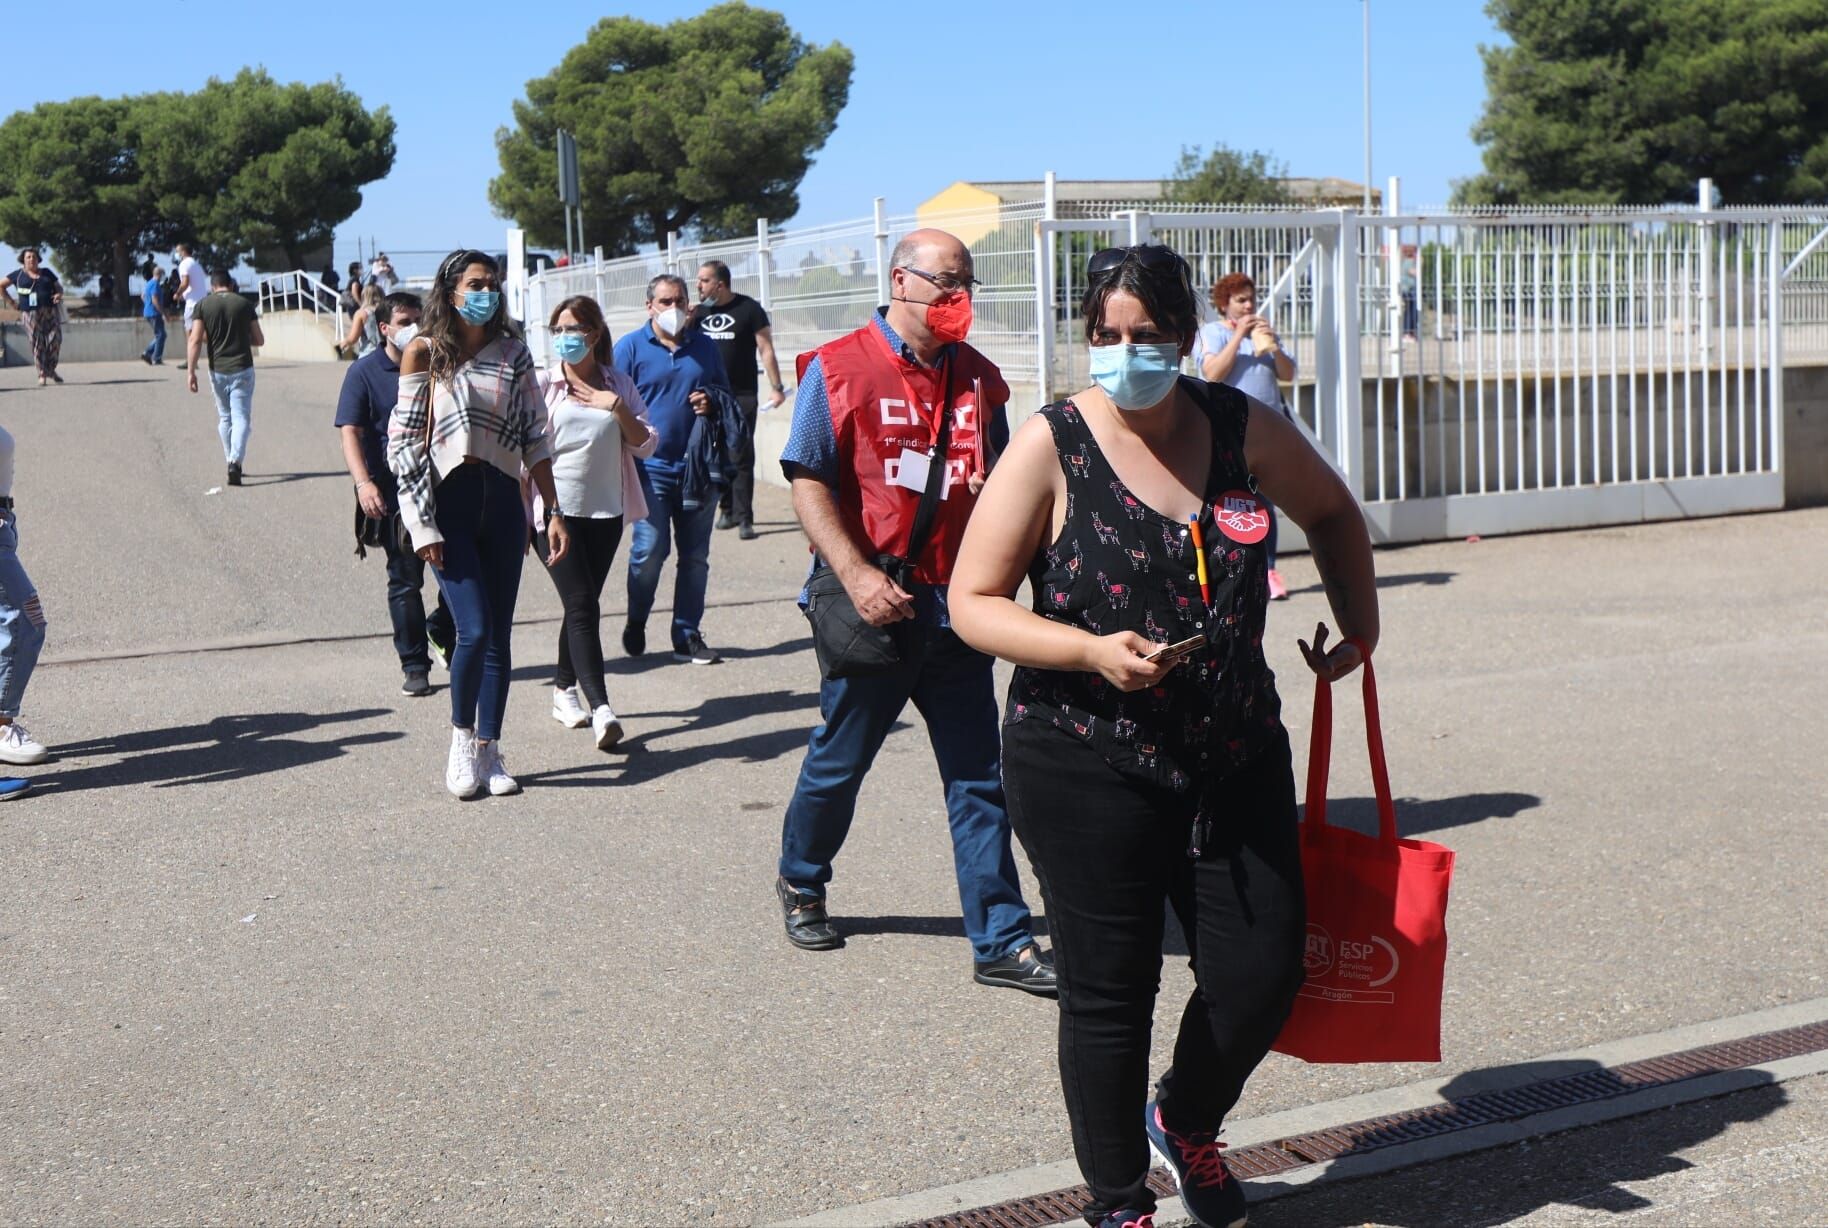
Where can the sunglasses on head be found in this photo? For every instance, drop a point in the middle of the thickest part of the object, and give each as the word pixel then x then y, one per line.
pixel 1151 256
pixel 456 262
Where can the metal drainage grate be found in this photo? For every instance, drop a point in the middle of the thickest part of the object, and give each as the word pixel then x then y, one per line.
pixel 1281 1155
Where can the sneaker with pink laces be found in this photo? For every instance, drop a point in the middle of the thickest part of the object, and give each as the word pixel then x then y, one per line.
pixel 1278 591
pixel 1210 1193
pixel 1128 1219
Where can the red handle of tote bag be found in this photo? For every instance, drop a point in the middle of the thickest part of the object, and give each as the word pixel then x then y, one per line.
pixel 1320 755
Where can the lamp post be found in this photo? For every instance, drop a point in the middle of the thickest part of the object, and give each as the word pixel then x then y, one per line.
pixel 1367 8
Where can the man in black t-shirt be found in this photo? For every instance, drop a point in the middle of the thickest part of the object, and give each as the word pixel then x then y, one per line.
pixel 739 326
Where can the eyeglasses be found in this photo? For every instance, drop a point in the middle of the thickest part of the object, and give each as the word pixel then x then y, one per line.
pixel 944 281
pixel 1152 256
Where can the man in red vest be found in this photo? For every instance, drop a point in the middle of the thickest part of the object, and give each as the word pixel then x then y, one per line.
pixel 863 440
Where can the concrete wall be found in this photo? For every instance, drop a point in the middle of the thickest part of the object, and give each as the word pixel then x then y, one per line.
pixel 1805 436
pixel 299 336
pixel 118 339
pixel 294 336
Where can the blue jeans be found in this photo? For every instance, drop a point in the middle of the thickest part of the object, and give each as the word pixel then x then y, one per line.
pixel 156 351
pixel 668 524
pixel 406 605
pixel 22 620
pixel 952 688
pixel 485 536
pixel 234 411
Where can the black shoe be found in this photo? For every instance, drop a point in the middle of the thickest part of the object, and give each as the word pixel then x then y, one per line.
pixel 146 358
pixel 234 475
pixel 1025 968
pixel 808 928
pixel 725 520
pixel 695 651
pixel 634 639
pixel 746 531
pixel 415 683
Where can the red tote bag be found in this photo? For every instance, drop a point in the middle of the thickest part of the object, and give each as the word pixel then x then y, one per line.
pixel 1377 921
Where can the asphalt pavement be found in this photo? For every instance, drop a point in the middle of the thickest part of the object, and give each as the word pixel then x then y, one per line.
pixel 261 968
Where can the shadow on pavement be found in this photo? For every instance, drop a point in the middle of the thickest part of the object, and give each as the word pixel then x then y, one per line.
pixel 227 748
pixel 926 927
pixel 1433 579
pixel 616 662
pixel 635 762
pixel 786 648
pixel 280 479
pixel 1588 1167
pixel 1415 815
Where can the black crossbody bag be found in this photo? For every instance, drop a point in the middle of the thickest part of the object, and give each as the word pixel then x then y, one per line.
pixel 846 645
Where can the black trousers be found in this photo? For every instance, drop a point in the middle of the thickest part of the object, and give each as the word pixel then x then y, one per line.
pixel 579 578
pixel 1108 850
pixel 738 499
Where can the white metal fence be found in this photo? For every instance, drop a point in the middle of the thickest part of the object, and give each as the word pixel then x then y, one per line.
pixel 1476 371
pixel 300 291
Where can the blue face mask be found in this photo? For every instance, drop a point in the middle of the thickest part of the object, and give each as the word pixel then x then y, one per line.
pixel 570 347
pixel 1136 376
pixel 479 305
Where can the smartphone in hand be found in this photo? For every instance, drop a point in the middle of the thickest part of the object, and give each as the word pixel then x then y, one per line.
pixel 1169 654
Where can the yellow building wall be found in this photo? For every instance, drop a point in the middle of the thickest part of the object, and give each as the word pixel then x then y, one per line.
pixel 943 211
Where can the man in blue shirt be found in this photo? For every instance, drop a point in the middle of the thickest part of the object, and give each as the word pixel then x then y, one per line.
pixel 370 389
pixel 672 366
pixel 153 296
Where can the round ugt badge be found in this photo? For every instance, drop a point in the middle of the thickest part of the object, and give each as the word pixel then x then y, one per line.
pixel 1241 516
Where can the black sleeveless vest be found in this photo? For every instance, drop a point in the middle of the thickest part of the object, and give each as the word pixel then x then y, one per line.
pixel 1118 565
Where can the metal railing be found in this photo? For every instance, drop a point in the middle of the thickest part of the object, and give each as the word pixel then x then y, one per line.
pixel 1444 355
pixel 300 291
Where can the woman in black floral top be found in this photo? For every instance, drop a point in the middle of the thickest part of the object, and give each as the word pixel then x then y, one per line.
pixel 1132 779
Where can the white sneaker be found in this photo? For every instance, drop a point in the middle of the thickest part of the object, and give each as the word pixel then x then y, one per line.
pixel 604 724
pixel 18 746
pixel 493 771
pixel 460 770
pixel 567 710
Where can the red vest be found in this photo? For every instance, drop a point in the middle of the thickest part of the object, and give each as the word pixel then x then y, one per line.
pixel 868 387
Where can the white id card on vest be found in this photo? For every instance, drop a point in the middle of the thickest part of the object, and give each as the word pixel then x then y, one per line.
pixel 911 471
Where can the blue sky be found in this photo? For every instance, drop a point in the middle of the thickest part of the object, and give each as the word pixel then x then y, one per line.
pixel 942 91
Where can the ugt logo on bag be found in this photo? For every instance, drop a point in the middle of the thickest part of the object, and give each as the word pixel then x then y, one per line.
pixel 1351 970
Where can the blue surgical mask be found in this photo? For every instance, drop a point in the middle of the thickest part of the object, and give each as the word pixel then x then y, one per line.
pixel 479 305
pixel 1136 376
pixel 570 347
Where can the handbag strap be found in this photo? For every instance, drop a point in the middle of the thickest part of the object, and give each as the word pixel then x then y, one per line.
pixel 1320 753
pixel 928 511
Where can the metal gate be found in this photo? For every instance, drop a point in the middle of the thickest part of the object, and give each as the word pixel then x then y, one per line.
pixel 1471 374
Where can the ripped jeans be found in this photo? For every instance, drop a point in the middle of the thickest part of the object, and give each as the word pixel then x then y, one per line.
pixel 22 620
